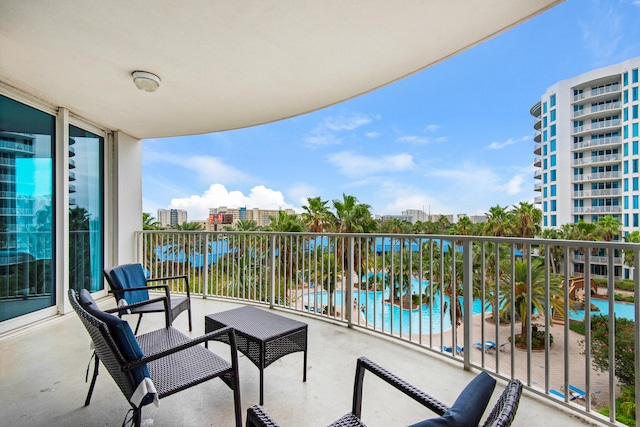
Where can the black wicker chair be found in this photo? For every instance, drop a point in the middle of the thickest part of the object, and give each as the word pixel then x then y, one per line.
pixel 502 413
pixel 163 362
pixel 129 285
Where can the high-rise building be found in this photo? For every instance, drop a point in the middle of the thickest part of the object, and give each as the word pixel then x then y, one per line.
pixel 226 216
pixel 172 217
pixel 587 154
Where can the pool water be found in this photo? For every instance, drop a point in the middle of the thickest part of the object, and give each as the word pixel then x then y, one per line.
pixel 621 309
pixel 428 316
pixel 383 315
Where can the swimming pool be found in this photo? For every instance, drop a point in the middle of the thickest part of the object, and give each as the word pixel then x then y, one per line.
pixel 383 315
pixel 621 309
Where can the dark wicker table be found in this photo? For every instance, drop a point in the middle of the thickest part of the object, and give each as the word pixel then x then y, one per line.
pixel 262 336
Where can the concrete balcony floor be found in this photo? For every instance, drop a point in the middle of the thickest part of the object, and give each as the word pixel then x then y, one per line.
pixel 43 380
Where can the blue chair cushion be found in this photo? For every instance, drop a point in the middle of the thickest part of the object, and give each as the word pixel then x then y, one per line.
pixel 122 335
pixel 129 276
pixel 468 407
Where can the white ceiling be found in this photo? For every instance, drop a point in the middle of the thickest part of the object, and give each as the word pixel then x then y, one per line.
pixel 227 64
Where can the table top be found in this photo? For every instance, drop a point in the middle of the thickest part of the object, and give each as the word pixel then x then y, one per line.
pixel 258 323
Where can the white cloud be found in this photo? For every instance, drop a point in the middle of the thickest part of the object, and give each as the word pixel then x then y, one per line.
pixel 413 139
pixel 351 164
pixel 375 134
pixel 432 128
pixel 473 189
pixel 217 195
pixel 346 121
pixel 495 145
pixel 317 140
pixel 404 197
pixel 301 192
pixel 325 133
pixel 205 168
pixel 513 186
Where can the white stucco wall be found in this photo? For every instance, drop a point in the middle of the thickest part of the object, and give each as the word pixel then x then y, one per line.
pixel 124 199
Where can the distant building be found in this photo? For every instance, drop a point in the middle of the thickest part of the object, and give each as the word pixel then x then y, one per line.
pixel 172 217
pixel 416 215
pixel 403 217
pixel 475 219
pixel 223 215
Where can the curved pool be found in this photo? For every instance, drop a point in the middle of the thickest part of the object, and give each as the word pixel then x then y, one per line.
pixel 382 315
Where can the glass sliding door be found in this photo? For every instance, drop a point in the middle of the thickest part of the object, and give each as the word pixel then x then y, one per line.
pixel 85 210
pixel 26 212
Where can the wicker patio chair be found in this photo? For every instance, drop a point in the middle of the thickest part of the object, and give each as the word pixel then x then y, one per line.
pixel 156 364
pixel 467 410
pixel 129 285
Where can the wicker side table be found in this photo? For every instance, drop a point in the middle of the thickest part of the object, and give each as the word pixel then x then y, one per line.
pixel 262 336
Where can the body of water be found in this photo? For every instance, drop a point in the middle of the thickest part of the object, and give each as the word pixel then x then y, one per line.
pixel 428 316
pixel 621 309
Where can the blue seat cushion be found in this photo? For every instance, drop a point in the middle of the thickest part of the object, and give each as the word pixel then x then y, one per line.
pixel 122 335
pixel 129 276
pixel 468 407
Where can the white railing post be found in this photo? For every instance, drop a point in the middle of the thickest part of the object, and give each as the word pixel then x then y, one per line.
pixel 467 283
pixel 205 280
pixel 350 272
pixel 272 256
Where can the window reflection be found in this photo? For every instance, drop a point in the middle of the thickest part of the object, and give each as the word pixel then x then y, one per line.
pixel 85 210
pixel 26 214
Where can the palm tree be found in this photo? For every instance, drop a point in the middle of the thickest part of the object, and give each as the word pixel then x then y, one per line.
pixel 351 217
pixel 247 225
pixel 316 215
pixel 443 223
pixel 608 227
pixel 403 265
pixel 519 297
pixel 556 253
pixel 629 254
pixel 149 222
pixel 498 221
pixel 442 266
pixel 526 220
pixel 286 248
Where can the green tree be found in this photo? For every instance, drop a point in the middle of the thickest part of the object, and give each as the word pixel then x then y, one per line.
pixel 189 226
pixel 247 225
pixel 463 227
pixel 629 254
pixel 498 221
pixel 608 228
pixel 316 216
pixel 624 347
pixel 442 271
pixel 526 220
pixel 519 297
pixel 149 222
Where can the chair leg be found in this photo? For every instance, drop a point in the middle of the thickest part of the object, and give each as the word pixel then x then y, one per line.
pixel 189 310
pixel 137 417
pixel 93 380
pixel 138 324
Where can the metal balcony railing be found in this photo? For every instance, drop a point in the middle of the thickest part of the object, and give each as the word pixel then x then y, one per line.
pixel 419 289
pixel 605 158
pixel 612 140
pixel 598 91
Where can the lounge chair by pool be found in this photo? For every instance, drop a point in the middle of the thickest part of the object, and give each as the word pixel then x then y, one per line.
pixel 459 350
pixel 488 347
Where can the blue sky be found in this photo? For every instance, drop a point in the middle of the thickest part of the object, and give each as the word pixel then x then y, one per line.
pixel 454 138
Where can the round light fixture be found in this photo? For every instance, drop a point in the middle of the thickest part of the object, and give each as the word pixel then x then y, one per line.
pixel 146 81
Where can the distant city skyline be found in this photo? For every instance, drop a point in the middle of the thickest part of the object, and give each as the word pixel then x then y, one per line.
pixel 456 138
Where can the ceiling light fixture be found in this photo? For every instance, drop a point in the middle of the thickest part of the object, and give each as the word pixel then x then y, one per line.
pixel 146 81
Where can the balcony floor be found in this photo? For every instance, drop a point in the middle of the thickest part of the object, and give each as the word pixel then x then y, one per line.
pixel 43 380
